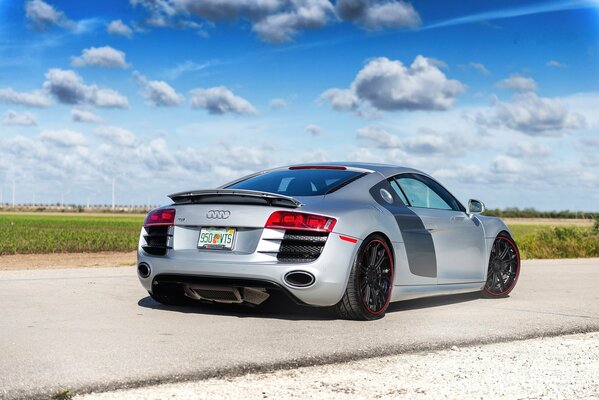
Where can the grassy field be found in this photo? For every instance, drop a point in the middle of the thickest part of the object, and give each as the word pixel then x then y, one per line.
pixel 562 241
pixel 71 233
pixel 42 233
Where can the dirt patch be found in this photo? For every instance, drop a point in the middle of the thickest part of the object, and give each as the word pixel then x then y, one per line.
pixel 73 214
pixel 549 221
pixel 67 260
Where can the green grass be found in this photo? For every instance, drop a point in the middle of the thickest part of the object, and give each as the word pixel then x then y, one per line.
pixel 64 394
pixel 39 234
pixel 546 241
pixel 42 233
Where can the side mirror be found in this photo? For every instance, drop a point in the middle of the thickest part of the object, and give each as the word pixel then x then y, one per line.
pixel 475 207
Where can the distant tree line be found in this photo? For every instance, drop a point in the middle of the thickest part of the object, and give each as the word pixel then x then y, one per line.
pixel 532 213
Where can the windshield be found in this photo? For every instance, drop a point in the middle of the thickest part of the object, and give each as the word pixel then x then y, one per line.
pixel 299 182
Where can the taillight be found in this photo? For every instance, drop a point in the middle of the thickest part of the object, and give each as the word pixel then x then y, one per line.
pixel 163 217
pixel 300 221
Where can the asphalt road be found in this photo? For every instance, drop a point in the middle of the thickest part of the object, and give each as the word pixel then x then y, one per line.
pixel 96 329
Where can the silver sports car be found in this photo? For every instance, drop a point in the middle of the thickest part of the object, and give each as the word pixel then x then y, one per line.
pixel 351 236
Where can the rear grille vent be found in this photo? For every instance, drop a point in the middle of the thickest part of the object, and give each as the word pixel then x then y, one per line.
pixel 158 240
pixel 218 294
pixel 299 246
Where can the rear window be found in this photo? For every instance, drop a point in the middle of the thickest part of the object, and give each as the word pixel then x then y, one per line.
pixel 300 182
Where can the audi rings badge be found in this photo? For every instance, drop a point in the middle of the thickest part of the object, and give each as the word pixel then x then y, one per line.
pixel 218 214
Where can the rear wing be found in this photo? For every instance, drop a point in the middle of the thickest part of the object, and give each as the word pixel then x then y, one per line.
pixel 234 196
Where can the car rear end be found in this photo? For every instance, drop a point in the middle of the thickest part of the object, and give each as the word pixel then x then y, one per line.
pixel 239 245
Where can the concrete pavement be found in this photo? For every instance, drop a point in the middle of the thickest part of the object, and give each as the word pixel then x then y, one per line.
pixel 96 329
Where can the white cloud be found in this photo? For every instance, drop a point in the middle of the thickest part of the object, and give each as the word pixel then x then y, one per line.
pixel 12 117
pixel 281 20
pixel 555 64
pixel 116 135
pixel 177 13
pixel 480 68
pixel 32 99
pixel 518 83
pixel 340 99
pixel 503 164
pixel 277 104
pixel 375 15
pixel 425 143
pixel 388 85
pixel 42 15
pixel 313 129
pixel 159 93
pixel 68 88
pixel 104 56
pixel 530 150
pixel 303 14
pixel 186 67
pixel 536 116
pixel 589 141
pixel 80 115
pixel 118 27
pixel 63 138
pixel 378 137
pixel 215 10
pixel 220 100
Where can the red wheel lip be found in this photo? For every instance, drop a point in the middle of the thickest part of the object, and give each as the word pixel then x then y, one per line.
pixel 513 244
pixel 392 276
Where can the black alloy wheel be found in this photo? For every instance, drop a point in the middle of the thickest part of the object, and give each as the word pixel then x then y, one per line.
pixel 370 284
pixel 504 267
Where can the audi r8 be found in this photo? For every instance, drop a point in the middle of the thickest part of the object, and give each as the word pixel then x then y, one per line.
pixel 351 236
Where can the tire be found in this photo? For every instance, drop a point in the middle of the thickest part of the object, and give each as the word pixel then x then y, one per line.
pixel 504 268
pixel 370 282
pixel 170 296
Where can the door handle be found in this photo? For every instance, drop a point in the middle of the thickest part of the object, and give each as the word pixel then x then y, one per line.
pixel 458 218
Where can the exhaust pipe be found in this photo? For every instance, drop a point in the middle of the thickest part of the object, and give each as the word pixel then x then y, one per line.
pixel 144 270
pixel 299 279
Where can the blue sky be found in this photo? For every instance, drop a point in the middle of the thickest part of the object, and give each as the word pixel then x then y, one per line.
pixel 497 99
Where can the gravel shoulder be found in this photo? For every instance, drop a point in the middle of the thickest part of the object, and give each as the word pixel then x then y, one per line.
pixel 556 367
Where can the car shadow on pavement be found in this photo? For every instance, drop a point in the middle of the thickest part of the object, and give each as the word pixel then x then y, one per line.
pixel 280 307
pixel 433 301
pixel 277 307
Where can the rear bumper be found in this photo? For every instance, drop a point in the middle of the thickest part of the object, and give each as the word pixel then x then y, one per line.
pixel 331 270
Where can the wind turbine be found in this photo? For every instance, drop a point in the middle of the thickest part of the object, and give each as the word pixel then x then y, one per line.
pixel 114 178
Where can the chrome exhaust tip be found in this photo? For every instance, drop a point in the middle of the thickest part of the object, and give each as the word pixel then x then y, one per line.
pixel 144 270
pixel 299 279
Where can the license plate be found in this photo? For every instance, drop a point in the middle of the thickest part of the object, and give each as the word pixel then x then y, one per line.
pixel 216 238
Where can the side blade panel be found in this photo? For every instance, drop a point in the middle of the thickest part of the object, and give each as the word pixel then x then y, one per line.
pixel 418 241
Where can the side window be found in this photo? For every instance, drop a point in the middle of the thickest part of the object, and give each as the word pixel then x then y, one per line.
pixel 424 192
pixel 398 191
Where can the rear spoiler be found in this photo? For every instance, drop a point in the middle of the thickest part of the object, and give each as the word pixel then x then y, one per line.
pixel 234 196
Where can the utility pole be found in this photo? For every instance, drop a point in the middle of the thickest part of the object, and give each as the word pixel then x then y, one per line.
pixel 14 189
pixel 113 195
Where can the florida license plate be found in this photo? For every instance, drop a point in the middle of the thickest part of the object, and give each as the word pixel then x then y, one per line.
pixel 216 238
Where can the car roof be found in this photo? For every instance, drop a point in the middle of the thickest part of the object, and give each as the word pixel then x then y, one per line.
pixel 384 169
